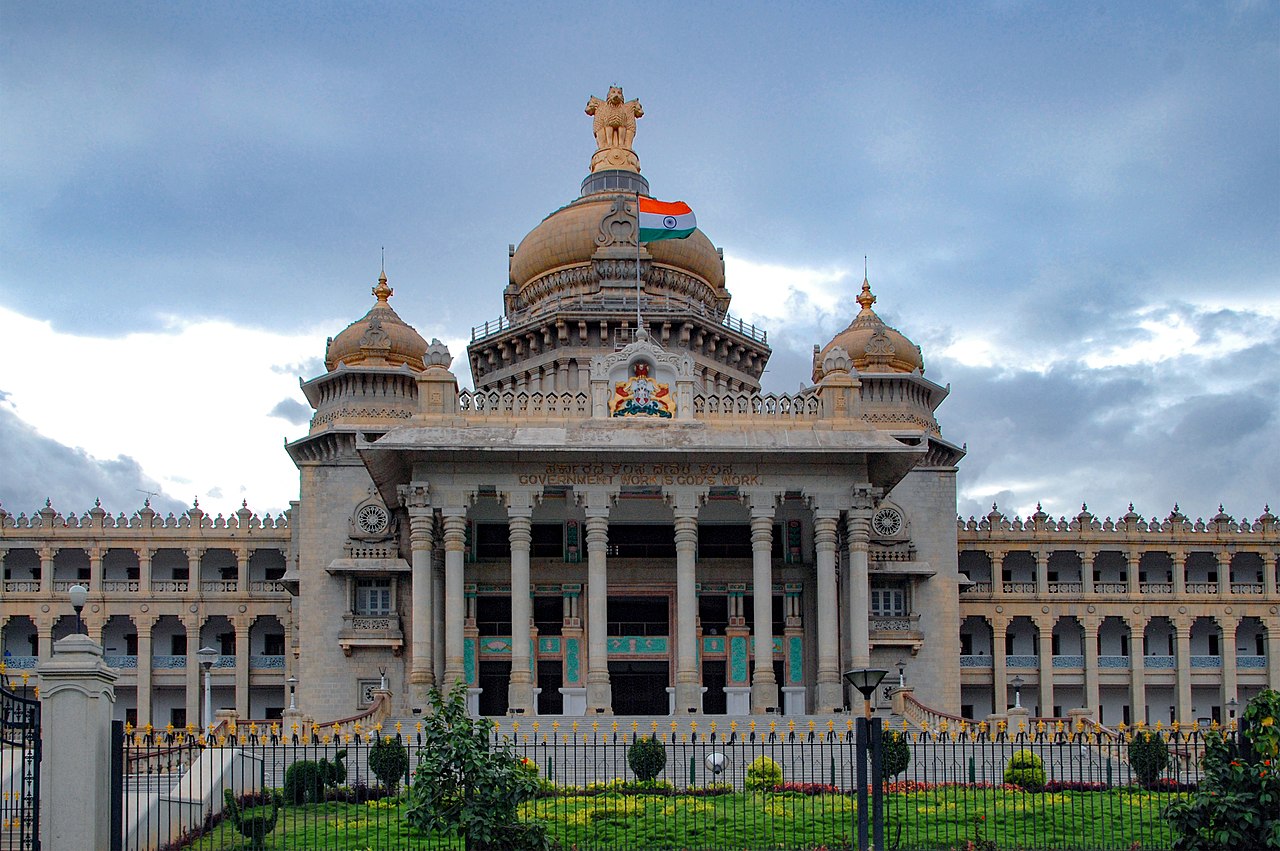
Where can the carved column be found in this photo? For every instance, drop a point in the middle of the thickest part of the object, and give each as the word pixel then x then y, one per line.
pixel 195 578
pixel 455 536
pixel 1223 558
pixel 830 693
pixel 999 676
pixel 1270 561
pixel 764 685
pixel 859 530
pixel 1087 559
pixel 1137 668
pixel 195 688
pixel 95 570
pixel 44 637
pixel 243 654
pixel 242 572
pixel 1179 567
pixel 1182 625
pixel 416 498
pixel 997 572
pixel 46 571
pixel 144 570
pixel 143 622
pixel 1046 665
pixel 520 534
pixel 1273 653
pixel 1092 695
pixel 599 691
pixel 688 696
pixel 1229 624
pixel 1042 572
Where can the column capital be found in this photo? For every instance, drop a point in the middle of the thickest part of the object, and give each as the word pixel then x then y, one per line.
pixel 761 502
pixel 416 497
pixel 47 552
pixel 596 502
pixel 520 501
pixel 685 501
pixel 827 502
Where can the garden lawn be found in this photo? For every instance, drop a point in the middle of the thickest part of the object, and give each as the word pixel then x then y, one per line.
pixel 940 818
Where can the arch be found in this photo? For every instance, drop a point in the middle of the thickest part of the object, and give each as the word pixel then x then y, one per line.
pixel 20 640
pixel 1159 639
pixel 1114 641
pixel 976 565
pixel 1065 567
pixel 1206 642
pixel 1068 638
pixel 70 565
pixel 267 642
pixel 120 569
pixel 976 637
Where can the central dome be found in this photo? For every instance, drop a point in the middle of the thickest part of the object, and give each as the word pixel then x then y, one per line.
pixel 572 235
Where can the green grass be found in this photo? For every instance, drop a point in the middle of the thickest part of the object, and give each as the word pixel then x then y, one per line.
pixel 935 819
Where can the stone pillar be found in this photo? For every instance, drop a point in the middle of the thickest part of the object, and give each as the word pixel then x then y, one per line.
pixel 243 654
pixel 1227 646
pixel 1087 559
pixel 859 530
pixel 415 497
pixel 242 571
pixel 195 687
pixel 575 695
pixel 1273 652
pixel 195 578
pixel 688 695
pixel 46 569
pixel 1042 572
pixel 77 693
pixel 1269 581
pixel 1133 563
pixel 455 537
pixel 997 572
pixel 1137 668
pixel 1046 665
pixel 999 676
pixel 95 570
pixel 44 637
pixel 520 534
pixel 737 689
pixel 1179 567
pixel 144 570
pixel 1223 558
pixel 143 622
pixel 830 693
pixel 764 686
pixel 1185 712
pixel 599 691
pixel 1092 695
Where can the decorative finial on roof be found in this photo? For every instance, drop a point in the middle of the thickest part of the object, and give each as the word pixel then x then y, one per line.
pixel 866 298
pixel 1131 506
pixel 382 292
pixel 614 125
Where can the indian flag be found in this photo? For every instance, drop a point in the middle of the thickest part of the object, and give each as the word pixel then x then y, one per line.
pixel 665 220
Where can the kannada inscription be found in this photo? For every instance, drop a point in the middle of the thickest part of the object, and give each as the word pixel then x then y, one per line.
pixel 707 475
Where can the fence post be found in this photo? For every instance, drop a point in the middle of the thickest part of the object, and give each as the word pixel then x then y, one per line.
pixel 77 691
pixel 117 786
pixel 877 784
pixel 860 777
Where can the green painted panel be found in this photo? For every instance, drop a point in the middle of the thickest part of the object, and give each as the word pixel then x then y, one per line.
pixel 638 644
pixel 713 644
pixel 572 665
pixel 495 645
pixel 796 660
pixel 469 660
pixel 549 645
pixel 737 659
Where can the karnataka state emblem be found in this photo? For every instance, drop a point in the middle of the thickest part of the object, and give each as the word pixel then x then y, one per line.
pixel 640 396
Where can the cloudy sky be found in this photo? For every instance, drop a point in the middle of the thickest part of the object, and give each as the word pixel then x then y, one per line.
pixel 1074 208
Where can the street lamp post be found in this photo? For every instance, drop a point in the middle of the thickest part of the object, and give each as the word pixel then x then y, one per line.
pixel 293 685
pixel 207 656
pixel 867 745
pixel 1232 706
pixel 79 596
pixel 1017 684
pixel 902 680
pixel 865 680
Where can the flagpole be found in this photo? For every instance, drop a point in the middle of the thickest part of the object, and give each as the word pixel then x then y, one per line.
pixel 639 321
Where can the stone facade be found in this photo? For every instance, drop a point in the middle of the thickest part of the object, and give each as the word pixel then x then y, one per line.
pixel 616 520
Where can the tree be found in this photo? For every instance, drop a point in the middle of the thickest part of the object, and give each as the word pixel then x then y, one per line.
pixel 1148 756
pixel 895 754
pixel 388 760
pixel 468 785
pixel 647 757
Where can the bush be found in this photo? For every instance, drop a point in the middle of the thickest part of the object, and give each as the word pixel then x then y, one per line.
pixel 1148 756
pixel 253 824
pixel 305 780
pixel 1237 804
pixel 763 774
pixel 1025 769
pixel 388 760
pixel 895 755
pixel 647 757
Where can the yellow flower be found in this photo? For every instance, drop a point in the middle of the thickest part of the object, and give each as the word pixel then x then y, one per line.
pixel 1268 721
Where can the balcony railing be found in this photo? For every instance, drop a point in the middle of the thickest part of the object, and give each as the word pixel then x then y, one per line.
pixel 1019 587
pixel 1159 662
pixel 977 588
pixel 20 662
pixel 22 586
pixel 1022 661
pixel 170 586
pixel 894 623
pixel 218 586
pixel 1157 588
pixel 1111 587
pixel 1066 587
pixel 1254 662
pixel 1206 661
pixel 1202 588
pixel 121 662
pixel 267 586
pixel 979 661
pixel 130 586
pixel 168 663
pixel 261 661
pixel 1068 661
pixel 1246 587
pixel 60 585
pixel 1113 662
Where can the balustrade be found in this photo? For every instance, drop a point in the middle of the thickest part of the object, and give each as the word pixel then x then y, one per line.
pixel 267 586
pixel 121 662
pixel 1206 661
pixel 1022 661
pixel 1258 662
pixel 1113 662
pixel 1066 587
pixel 1157 588
pixel 22 586
pixel 1246 587
pixel 218 586
pixel 1202 588
pixel 1159 662
pixel 981 661
pixel 977 588
pixel 121 585
pixel 1019 588
pixel 260 661
pixel 1068 661
pixel 170 586
pixel 1111 587
pixel 168 663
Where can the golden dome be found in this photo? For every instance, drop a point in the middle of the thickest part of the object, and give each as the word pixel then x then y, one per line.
pixel 379 338
pixel 567 237
pixel 872 345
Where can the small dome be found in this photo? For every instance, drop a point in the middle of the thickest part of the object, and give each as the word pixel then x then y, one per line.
pixel 379 338
pixel 872 345
pixel 567 237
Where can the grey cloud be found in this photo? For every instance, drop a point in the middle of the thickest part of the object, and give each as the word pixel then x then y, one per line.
pixel 35 468
pixel 291 410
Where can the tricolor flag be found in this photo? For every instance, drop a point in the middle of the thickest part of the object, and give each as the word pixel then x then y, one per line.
pixel 665 220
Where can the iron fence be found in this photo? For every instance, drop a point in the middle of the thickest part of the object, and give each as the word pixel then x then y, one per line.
pixel 19 766
pixel 741 788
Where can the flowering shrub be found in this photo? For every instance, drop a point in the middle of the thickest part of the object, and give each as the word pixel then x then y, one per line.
pixel 1237 804
pixel 1074 786
pixel 710 790
pixel 808 789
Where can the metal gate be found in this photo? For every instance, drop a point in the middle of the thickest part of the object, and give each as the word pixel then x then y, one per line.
pixel 19 771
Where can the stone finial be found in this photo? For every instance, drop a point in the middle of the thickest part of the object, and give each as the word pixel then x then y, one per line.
pixel 866 298
pixel 837 360
pixel 437 355
pixel 382 292
pixel 614 126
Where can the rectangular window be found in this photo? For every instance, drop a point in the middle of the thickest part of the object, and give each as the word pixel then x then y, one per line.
pixel 548 615
pixel 642 540
pixel 178 716
pixel 373 597
pixel 493 614
pixel 726 541
pixel 492 541
pixel 888 602
pixel 548 540
pixel 131 644
pixel 1213 644
pixel 178 644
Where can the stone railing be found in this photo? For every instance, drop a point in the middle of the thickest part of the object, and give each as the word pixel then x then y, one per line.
pixel 1020 588
pixel 1157 587
pixel 170 586
pixel 218 586
pixel 1111 587
pixel 972 661
pixel 168 663
pixel 893 623
pixel 130 586
pixel 1022 660
pixel 1251 662
pixel 1246 587
pixel 1160 662
pixel 1206 661
pixel 1042 527
pixel 49 519
pixel 20 662
pixel 1068 661
pixel 121 662
pixel 1066 587
pixel 652 308
pixel 1202 588
pixel 977 588
pixel 22 586
pixel 265 662
pixel 798 406
pixel 1120 662
pixel 267 586
pixel 507 403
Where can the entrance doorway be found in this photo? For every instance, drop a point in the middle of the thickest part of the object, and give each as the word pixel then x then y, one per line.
pixel 713 678
pixel 550 700
pixel 494 677
pixel 640 688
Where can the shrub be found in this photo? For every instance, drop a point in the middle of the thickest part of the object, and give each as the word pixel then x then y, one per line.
pixel 895 755
pixel 388 760
pixel 305 780
pixel 253 824
pixel 1148 756
pixel 763 774
pixel 647 757
pixel 1237 804
pixel 468 784
pixel 1025 769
